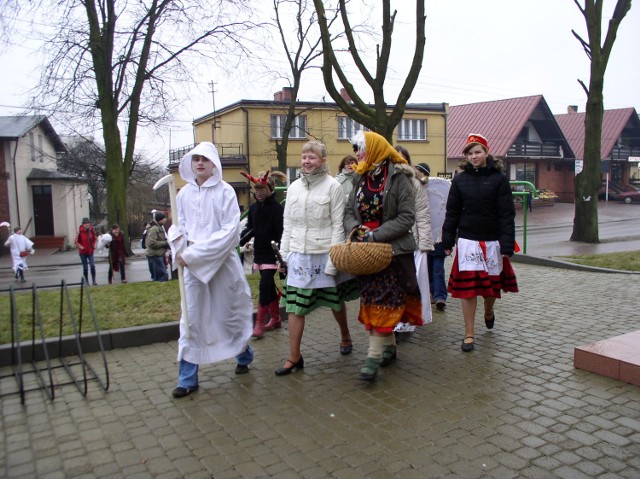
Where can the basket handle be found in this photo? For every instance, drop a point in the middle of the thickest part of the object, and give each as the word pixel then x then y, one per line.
pixel 353 231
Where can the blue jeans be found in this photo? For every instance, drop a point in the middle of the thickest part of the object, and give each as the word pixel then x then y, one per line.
pixel 437 284
pixel 88 262
pixel 188 372
pixel 157 268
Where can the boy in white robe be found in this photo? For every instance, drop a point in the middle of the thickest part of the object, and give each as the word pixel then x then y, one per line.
pixel 19 246
pixel 219 305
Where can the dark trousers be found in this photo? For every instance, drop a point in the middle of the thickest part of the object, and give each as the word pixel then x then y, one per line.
pixel 267 289
pixel 122 272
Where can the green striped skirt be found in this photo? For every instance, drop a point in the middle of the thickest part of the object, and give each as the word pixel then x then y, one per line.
pixel 301 301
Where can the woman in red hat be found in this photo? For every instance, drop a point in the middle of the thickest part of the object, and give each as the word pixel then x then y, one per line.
pixel 481 215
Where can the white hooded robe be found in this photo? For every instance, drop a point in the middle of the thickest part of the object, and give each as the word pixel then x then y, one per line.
pixel 16 244
pixel 219 305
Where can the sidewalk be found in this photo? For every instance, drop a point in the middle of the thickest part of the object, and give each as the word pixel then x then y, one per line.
pixel 514 407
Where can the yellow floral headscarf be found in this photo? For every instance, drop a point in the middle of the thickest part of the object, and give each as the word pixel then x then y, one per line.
pixel 378 149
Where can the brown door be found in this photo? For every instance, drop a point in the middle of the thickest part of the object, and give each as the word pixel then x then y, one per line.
pixel 42 210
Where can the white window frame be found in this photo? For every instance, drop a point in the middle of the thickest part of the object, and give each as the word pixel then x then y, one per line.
pixel 348 127
pixel 412 129
pixel 298 128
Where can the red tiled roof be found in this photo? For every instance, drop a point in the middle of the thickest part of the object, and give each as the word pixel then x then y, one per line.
pixel 613 122
pixel 499 121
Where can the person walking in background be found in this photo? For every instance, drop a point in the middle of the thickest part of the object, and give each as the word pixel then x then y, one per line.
pixel 86 244
pixel 313 216
pixel 264 225
pixel 382 209
pixel 437 193
pixel 480 222
pixel 346 174
pixel 424 242
pixel 143 243
pixel 157 246
pixel 218 298
pixel 20 247
pixel 117 255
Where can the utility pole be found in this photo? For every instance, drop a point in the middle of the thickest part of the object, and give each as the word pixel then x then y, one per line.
pixel 215 120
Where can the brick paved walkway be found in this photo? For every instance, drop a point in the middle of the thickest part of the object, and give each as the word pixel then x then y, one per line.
pixel 514 407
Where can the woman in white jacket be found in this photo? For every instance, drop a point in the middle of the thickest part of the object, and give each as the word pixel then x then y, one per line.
pixel 313 216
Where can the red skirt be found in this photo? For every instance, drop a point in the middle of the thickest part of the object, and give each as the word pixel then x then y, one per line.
pixel 469 284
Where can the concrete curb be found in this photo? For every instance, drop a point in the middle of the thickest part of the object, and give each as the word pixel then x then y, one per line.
pixel 555 263
pixel 111 339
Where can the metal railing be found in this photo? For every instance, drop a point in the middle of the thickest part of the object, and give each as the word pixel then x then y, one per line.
pixel 531 193
pixel 536 149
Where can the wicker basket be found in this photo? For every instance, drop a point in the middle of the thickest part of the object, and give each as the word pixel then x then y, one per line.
pixel 361 258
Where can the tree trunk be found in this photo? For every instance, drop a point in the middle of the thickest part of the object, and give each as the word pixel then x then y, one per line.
pixel 588 182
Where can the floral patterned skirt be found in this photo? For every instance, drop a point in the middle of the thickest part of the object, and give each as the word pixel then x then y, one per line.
pixel 390 296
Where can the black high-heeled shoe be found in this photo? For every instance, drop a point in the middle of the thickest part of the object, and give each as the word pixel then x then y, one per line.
pixel 344 350
pixel 283 371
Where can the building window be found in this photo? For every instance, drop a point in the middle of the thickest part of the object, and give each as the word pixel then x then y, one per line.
pixel 348 127
pixel 293 174
pixel 40 149
pixel 32 146
pixel 526 172
pixel 412 129
pixel 298 128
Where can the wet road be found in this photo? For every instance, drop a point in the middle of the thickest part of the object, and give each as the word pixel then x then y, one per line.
pixel 137 270
pixel 549 230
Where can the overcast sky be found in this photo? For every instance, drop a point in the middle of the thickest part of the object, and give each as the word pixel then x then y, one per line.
pixel 475 51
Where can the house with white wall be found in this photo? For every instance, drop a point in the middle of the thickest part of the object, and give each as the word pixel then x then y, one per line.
pixel 47 204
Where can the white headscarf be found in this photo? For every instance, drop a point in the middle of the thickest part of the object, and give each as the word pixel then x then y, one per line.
pixel 208 150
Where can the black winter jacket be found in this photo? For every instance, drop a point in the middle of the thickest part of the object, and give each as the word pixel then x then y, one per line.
pixel 480 208
pixel 265 220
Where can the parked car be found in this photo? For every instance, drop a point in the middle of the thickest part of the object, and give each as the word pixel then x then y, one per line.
pixel 629 196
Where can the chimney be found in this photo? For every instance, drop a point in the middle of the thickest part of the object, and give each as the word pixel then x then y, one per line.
pixel 277 96
pixel 286 93
pixel 344 94
pixel 572 109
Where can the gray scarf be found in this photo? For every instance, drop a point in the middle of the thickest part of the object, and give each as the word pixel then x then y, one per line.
pixel 320 171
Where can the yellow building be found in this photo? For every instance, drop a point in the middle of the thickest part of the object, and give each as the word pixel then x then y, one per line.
pixel 246 133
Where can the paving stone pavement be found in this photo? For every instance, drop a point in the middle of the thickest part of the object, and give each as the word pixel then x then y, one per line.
pixel 514 407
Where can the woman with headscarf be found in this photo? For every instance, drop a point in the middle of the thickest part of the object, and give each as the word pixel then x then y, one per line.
pixel 381 208
pixel 480 222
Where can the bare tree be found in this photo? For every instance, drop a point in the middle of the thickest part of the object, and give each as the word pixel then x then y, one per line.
pixel 301 51
pixel 375 118
pixel 588 182
pixel 120 62
pixel 87 160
